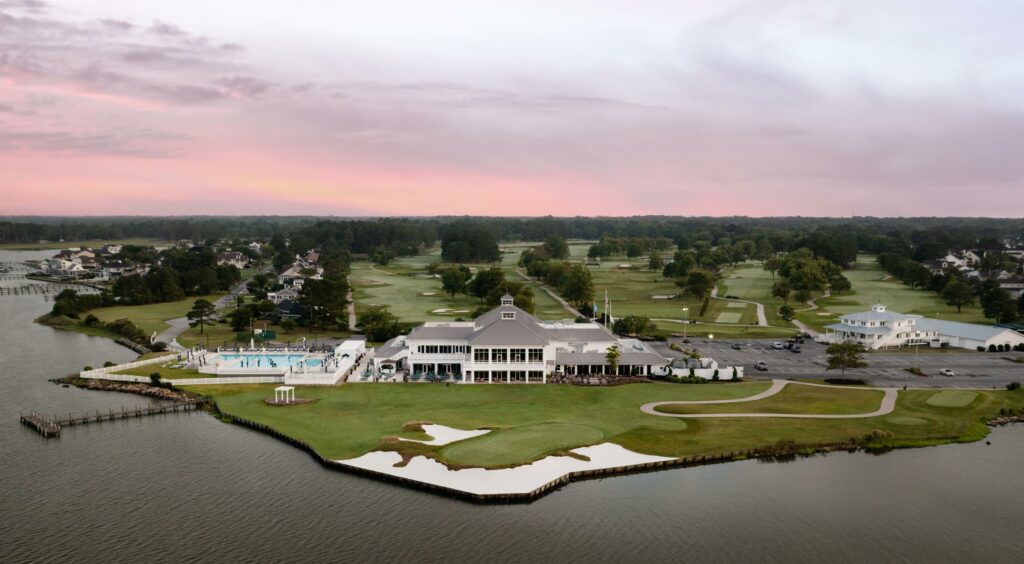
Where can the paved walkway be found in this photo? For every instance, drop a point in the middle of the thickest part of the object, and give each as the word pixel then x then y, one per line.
pixel 887 406
pixel 551 293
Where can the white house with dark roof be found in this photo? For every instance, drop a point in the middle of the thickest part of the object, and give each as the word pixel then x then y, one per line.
pixel 508 345
pixel 880 328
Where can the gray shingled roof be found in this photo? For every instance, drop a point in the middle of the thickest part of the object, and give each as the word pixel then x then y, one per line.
pixel 507 332
pixel 962 330
pixel 878 316
pixel 441 332
pixel 592 334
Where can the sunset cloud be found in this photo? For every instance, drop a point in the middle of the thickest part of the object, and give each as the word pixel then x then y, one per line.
pixel 811 108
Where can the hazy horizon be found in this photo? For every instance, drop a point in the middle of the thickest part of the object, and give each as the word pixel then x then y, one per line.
pixel 391 109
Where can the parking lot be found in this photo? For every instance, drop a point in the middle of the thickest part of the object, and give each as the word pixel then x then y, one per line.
pixel 973 369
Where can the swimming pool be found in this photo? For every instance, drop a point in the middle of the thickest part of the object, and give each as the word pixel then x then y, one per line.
pixel 268 360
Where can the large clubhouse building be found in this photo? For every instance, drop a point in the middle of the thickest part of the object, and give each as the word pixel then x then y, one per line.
pixel 507 345
pixel 880 328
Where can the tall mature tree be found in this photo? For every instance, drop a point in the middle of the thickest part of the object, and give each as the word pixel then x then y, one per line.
pixel 200 314
pixel 556 248
pixel 579 286
pixel 957 293
pixel 612 356
pixel 787 313
pixel 326 301
pixel 485 281
pixel 654 261
pixel 782 290
pixel 845 355
pixel 455 280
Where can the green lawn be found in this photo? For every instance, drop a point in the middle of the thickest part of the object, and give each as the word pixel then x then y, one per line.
pixel 952 398
pixel 165 370
pixel 530 441
pixel 218 333
pixel 415 296
pixel 150 317
pixel 795 398
pixel 532 421
pixel 871 285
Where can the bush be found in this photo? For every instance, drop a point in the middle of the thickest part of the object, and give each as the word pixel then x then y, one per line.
pixel 991 348
pixel 154 378
pixel 981 348
pixel 1013 386
pixel 735 374
pixel 158 346
pixel 108 363
pixel 1019 347
pixel 87 368
pixel 692 374
pixel 715 375
pixel 91 321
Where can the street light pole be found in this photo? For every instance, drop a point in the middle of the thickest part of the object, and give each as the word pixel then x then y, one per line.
pixel 686 320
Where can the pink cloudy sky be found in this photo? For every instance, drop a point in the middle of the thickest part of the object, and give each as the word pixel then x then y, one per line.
pixel 512 108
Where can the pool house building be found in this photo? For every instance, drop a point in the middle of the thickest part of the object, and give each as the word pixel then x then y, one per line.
pixel 508 345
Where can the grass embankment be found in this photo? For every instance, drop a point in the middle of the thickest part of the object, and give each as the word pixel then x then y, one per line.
pixel 872 285
pixel 795 398
pixel 530 422
pixel 220 333
pixel 166 370
pixel 150 317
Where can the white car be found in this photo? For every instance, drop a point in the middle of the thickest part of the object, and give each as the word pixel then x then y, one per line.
pixel 947 372
pixel 778 346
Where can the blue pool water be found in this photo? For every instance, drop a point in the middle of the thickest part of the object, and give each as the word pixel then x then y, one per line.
pixel 270 360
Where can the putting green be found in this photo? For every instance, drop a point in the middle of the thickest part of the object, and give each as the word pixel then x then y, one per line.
pixel 742 305
pixel 729 317
pixel 952 398
pixel 508 446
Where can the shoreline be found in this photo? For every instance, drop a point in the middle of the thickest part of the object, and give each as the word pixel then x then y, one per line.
pixel 441 481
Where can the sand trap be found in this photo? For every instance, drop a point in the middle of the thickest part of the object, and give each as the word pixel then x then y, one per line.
pixel 624 266
pixel 444 310
pixel 736 304
pixel 429 294
pixel 825 314
pixel 444 435
pixel 663 297
pixel 518 480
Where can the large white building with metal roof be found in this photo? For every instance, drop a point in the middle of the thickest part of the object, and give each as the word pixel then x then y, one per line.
pixel 880 328
pixel 508 345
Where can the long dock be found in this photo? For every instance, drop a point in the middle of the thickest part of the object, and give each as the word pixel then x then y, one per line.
pixel 50 427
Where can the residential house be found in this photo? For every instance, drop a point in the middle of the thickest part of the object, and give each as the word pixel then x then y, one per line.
pixel 233 258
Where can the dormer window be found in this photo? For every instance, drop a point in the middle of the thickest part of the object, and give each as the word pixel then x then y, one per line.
pixel 508 315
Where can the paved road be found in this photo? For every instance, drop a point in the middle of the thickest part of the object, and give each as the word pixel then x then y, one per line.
pixel 886 407
pixel 180 324
pixel 973 369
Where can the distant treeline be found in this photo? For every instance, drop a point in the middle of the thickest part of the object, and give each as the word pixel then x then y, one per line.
pixel 405 236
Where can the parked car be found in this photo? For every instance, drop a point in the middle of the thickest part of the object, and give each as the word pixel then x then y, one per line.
pixel 761 365
pixel 947 372
pixel 736 346
pixel 794 348
pixel 778 346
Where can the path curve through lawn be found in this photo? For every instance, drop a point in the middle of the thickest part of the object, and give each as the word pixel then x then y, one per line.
pixel 887 406
pixel 762 319
pixel 551 293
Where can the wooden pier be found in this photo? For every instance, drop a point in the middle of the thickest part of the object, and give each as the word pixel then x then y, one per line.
pixel 51 426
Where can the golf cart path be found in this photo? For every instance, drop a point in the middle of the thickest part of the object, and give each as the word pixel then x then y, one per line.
pixel 887 406
pixel 179 325
pixel 551 293
pixel 762 319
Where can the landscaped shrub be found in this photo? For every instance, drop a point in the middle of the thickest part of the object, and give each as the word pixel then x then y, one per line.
pixel 158 346
pixel 846 381
pixel 692 374
pixel 91 321
pixel 991 348
pixel 715 375
pixel 981 348
pixel 1019 347
pixel 735 374
pixel 87 368
pixel 108 363
pixel 154 378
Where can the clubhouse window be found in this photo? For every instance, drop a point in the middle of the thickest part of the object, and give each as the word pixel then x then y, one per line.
pixel 499 355
pixel 481 355
pixel 518 355
pixel 536 355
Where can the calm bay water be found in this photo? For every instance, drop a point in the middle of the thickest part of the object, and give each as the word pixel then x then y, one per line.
pixel 186 487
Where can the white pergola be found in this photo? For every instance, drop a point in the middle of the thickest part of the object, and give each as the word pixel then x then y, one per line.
pixel 284 394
